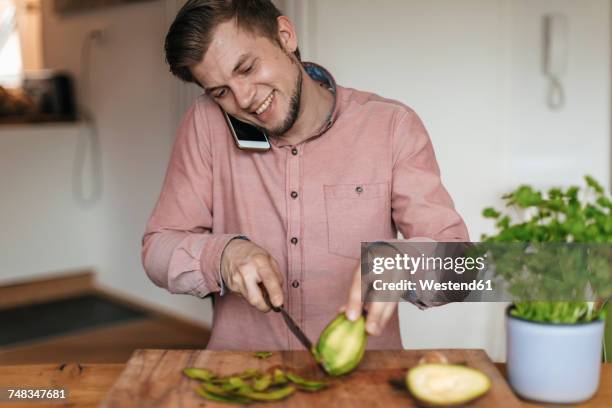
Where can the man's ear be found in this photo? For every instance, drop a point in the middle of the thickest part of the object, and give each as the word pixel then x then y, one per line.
pixel 286 34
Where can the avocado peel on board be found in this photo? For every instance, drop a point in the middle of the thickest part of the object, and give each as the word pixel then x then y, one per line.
pixel 251 385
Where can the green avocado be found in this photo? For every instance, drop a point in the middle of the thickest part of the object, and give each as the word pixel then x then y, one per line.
pixel 341 345
pixel 446 385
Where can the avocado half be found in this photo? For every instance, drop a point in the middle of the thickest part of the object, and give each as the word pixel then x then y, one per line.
pixel 446 385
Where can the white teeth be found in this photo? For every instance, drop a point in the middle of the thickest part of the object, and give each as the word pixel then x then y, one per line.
pixel 265 105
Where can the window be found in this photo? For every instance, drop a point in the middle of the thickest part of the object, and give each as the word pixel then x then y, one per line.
pixel 11 65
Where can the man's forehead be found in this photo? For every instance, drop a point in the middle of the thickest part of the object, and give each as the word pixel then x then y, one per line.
pixel 230 46
pixel 228 34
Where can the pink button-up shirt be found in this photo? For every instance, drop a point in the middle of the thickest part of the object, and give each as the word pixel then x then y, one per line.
pixel 370 172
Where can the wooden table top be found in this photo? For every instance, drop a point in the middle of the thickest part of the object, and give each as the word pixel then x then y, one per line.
pixel 88 383
pixel 153 378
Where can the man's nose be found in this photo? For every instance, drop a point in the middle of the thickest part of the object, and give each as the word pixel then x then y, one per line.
pixel 244 93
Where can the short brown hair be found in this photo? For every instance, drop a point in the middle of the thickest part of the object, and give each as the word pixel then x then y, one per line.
pixel 191 32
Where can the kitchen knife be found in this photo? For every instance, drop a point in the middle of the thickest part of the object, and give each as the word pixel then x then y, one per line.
pixel 295 329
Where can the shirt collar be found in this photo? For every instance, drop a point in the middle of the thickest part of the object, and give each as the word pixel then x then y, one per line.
pixel 322 76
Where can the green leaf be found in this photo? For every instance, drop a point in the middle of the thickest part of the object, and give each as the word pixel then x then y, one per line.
pixel 504 223
pixel 490 212
pixel 572 192
pixel 591 182
pixel 604 202
pixel 525 197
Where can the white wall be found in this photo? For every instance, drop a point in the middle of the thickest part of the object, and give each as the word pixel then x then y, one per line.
pixel 43 229
pixel 133 97
pixel 472 70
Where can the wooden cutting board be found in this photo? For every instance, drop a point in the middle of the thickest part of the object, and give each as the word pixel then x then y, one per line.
pixel 153 378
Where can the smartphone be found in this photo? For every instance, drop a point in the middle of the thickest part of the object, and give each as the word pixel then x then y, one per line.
pixel 247 136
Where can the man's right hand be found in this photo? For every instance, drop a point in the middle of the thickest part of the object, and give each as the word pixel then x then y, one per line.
pixel 244 265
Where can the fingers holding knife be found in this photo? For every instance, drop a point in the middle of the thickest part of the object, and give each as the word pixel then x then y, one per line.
pixel 247 268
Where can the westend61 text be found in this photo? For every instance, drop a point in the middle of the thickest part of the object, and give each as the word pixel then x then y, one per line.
pixel 404 285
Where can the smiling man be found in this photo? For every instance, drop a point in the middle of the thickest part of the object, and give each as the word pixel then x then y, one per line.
pixel 345 166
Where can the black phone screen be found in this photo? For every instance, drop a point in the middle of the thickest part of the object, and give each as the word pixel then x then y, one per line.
pixel 247 132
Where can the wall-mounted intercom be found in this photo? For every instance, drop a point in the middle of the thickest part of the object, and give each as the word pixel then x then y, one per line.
pixel 556 50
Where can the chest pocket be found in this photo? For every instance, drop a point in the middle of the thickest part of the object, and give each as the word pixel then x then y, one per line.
pixel 356 213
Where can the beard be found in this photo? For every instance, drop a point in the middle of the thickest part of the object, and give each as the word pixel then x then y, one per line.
pixel 295 104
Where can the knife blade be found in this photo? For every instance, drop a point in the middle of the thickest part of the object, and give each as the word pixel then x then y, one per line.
pixel 295 329
pixel 291 324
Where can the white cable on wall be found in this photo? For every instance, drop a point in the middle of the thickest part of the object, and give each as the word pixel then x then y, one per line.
pixel 88 141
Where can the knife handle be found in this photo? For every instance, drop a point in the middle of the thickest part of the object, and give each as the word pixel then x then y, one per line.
pixel 266 297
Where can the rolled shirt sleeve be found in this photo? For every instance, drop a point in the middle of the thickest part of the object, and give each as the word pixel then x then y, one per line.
pixel 180 252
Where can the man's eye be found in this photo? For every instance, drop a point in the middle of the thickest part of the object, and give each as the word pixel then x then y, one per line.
pixel 220 93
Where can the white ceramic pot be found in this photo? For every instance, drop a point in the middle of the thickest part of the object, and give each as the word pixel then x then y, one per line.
pixel 554 363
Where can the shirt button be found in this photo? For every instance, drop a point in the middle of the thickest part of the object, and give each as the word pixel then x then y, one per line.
pixel 359 189
pixel 294 240
pixel 295 283
pixel 294 151
pixel 294 194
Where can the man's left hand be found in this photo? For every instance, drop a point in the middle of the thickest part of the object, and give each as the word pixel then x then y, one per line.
pixel 378 314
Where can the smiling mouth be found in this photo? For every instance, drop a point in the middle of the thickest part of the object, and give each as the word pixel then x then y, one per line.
pixel 265 104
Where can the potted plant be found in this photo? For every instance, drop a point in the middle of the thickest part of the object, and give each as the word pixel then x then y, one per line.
pixel 556 263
